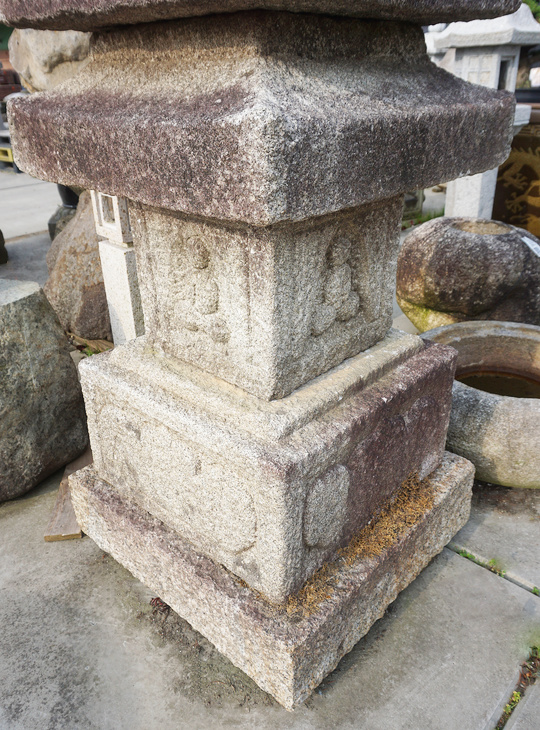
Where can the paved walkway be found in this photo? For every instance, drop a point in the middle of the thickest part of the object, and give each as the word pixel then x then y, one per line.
pixel 26 204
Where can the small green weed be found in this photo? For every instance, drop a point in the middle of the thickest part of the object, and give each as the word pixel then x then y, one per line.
pixel 424 218
pixel 529 673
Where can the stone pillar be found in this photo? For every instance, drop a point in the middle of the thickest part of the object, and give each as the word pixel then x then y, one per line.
pixel 484 52
pixel 269 456
pixel 119 267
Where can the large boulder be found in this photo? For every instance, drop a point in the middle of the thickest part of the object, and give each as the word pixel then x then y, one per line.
pixel 460 269
pixel 41 406
pixel 45 58
pixel 75 285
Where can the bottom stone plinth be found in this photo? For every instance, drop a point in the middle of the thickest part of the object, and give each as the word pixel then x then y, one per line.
pixel 287 649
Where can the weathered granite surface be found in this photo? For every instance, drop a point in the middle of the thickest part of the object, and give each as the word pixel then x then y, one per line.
pixel 499 434
pixel 261 117
pixel 267 309
pixel 75 285
pixel 270 490
pixel 46 58
pixel 459 269
pixel 286 651
pixel 94 14
pixel 42 416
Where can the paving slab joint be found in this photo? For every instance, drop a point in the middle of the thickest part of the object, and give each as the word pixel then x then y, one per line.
pixel 491 565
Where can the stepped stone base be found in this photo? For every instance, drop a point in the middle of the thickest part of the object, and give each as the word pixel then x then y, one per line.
pixel 286 649
pixel 271 490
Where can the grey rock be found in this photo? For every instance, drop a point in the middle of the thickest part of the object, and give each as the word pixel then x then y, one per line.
pixel 41 405
pixel 75 285
pixel 498 433
pixel 460 269
pixel 93 14
pixel 271 490
pixel 46 58
pixel 267 309
pixel 59 220
pixel 261 117
pixel 287 651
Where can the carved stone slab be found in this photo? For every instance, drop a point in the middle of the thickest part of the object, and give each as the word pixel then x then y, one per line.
pixel 94 14
pixel 270 490
pixel 261 117
pixel 268 309
pixel 287 653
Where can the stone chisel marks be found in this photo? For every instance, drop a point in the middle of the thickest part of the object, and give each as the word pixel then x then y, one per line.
pixel 226 131
pixel 94 14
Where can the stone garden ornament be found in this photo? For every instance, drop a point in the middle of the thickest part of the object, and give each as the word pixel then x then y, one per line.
pixel 269 414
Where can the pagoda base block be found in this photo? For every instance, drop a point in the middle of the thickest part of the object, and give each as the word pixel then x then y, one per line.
pixel 287 648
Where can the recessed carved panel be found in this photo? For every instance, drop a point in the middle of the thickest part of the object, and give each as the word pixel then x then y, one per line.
pixel 326 508
pixel 339 301
pixel 268 308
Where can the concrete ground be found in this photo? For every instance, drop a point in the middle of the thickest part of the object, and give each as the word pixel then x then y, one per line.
pixel 26 204
pixel 80 647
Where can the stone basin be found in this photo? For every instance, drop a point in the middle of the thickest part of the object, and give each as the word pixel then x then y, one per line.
pixel 500 434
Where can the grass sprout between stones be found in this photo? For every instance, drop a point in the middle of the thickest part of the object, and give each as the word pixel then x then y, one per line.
pixel 528 674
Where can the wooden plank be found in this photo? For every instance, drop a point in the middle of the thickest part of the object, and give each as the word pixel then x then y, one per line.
pixel 63 523
pixel 94 345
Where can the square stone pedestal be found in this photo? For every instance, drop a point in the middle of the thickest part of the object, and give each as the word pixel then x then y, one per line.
pixel 286 649
pixel 271 490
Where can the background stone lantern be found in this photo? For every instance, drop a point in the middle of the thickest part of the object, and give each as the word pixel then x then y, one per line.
pixel 484 52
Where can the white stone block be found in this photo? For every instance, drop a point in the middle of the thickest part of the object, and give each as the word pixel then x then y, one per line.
pixel 122 288
pixel 111 215
pixel 472 196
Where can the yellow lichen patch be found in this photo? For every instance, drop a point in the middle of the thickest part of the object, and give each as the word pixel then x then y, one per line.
pixel 413 500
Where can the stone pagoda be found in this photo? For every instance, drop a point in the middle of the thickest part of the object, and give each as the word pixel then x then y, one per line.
pixel 269 455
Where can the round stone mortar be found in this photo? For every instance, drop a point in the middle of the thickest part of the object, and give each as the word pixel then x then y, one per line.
pixel 461 269
pixel 499 434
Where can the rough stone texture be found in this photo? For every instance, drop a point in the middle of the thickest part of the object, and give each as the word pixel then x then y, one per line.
pixel 3 252
pixel 499 434
pixel 41 405
pixel 287 653
pixel 93 14
pixel 458 269
pixel 75 285
pixel 45 59
pixel 122 288
pixel 267 309
pixel 252 484
pixel 261 117
pixel 59 220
